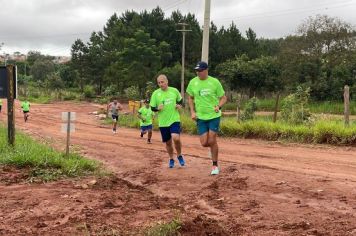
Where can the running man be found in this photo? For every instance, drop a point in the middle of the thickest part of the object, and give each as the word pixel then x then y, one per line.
pixel 166 101
pixel 206 97
pixel 114 108
pixel 145 114
pixel 25 105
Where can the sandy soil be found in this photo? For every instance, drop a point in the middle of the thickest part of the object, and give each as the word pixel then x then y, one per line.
pixel 265 188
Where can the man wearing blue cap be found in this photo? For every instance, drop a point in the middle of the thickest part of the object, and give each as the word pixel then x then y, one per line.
pixel 206 97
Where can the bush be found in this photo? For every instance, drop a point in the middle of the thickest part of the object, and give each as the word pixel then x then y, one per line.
pixel 89 91
pixel 250 109
pixel 132 93
pixel 294 106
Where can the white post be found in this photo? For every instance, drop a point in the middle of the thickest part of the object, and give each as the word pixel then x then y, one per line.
pixel 205 44
pixel 68 135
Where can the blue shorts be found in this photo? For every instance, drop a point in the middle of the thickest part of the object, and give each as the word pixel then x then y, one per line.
pixel 206 125
pixel 166 132
pixel 115 117
pixel 145 128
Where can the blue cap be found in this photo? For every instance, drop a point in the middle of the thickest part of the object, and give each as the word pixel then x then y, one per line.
pixel 202 65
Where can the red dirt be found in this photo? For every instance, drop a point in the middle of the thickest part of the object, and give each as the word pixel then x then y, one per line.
pixel 265 188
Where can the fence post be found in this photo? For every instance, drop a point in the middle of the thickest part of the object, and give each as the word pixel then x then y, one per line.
pixel 238 112
pixel 347 105
pixel 276 109
pixel 10 104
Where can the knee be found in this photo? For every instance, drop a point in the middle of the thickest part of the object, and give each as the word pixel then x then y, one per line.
pixel 211 142
pixel 205 143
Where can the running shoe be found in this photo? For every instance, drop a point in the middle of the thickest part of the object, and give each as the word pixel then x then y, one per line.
pixel 171 163
pixel 215 170
pixel 181 160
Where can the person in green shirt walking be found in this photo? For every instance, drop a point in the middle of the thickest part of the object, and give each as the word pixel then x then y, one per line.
pixel 166 101
pixel 145 114
pixel 206 97
pixel 25 105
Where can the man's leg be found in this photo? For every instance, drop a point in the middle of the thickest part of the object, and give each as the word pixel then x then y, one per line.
pixel 149 136
pixel 177 144
pixel 167 139
pixel 169 148
pixel 212 142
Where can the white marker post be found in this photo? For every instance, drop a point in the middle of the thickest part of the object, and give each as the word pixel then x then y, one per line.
pixel 68 127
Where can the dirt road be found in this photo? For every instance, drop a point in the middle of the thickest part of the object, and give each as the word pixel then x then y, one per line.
pixel 264 188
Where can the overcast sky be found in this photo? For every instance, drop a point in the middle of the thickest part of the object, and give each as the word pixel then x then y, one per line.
pixel 51 26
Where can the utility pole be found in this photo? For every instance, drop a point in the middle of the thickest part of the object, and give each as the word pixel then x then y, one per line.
pixel 205 44
pixel 183 30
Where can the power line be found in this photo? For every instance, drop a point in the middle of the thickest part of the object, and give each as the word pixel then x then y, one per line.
pixel 287 12
pixel 175 5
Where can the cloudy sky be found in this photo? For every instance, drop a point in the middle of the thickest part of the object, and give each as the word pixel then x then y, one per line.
pixel 51 26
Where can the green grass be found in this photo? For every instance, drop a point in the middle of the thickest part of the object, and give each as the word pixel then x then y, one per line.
pixel 326 107
pixel 164 229
pixel 325 130
pixel 43 162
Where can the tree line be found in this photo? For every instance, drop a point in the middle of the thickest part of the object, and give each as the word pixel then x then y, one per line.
pixel 132 49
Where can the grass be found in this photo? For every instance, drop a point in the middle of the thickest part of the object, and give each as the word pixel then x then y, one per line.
pixel 164 229
pixel 43 162
pixel 326 107
pixel 325 130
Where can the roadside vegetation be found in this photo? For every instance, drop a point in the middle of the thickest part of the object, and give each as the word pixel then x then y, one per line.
pixel 42 162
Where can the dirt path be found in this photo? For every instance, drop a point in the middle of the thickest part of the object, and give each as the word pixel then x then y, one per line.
pixel 264 188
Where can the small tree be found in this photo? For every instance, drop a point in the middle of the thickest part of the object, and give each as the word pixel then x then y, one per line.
pixel 250 109
pixel 132 92
pixel 294 106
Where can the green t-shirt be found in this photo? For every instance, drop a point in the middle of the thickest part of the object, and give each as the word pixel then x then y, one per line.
pixel 25 106
pixel 147 114
pixel 206 95
pixel 169 98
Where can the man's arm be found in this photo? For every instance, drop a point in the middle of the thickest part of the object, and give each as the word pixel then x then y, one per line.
pixel 222 101
pixel 191 107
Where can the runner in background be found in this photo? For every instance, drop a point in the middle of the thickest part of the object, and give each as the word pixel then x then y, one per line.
pixel 145 114
pixel 113 108
pixel 25 105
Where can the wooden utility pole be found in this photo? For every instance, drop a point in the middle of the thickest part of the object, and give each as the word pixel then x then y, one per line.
pixel 183 58
pixel 10 104
pixel 205 44
pixel 347 105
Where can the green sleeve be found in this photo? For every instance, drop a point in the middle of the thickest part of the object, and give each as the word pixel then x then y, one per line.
pixel 153 102
pixel 179 97
pixel 219 90
pixel 189 89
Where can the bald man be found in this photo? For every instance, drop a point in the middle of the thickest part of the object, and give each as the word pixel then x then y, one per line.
pixel 166 101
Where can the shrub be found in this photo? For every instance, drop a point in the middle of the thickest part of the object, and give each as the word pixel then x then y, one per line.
pixel 89 91
pixel 294 106
pixel 250 109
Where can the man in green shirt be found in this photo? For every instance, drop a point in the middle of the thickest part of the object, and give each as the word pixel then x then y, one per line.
pixel 25 105
pixel 166 101
pixel 145 114
pixel 206 97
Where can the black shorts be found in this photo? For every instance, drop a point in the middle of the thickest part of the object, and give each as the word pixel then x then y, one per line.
pixel 26 112
pixel 115 117
pixel 0 107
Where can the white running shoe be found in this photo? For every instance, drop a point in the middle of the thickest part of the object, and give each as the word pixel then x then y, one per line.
pixel 215 170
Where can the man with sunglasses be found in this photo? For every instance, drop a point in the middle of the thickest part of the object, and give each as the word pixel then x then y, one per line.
pixel 206 97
